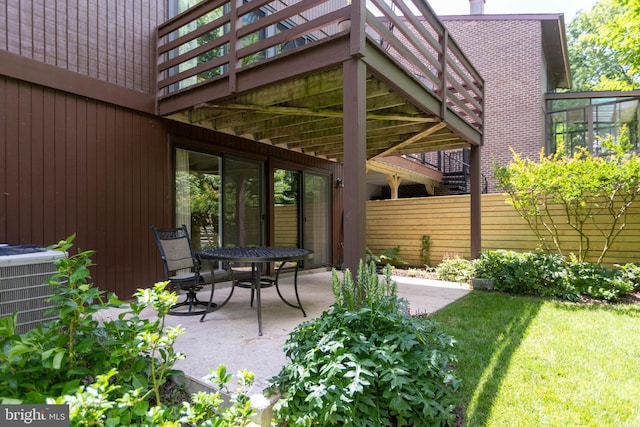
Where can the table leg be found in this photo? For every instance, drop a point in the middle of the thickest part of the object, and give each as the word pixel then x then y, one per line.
pixel 295 287
pixel 211 306
pixel 257 285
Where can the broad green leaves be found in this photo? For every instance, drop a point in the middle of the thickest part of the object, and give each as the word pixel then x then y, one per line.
pixel 366 361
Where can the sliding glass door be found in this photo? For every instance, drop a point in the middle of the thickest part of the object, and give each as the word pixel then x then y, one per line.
pixel 287 208
pixel 316 214
pixel 242 202
pixel 221 200
pixel 198 185
pixel 302 213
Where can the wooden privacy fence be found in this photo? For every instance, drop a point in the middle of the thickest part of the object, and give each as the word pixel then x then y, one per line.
pixel 446 220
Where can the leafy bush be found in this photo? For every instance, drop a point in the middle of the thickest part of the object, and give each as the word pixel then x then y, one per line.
pixel 366 361
pixel 109 372
pixel 456 270
pixel 525 273
pixel 630 272
pixel 595 281
pixel 389 256
pixel 551 275
pixel 56 358
pixel 491 264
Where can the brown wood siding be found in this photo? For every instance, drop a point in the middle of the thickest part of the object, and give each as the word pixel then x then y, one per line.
pixel 446 220
pixel 73 165
pixel 69 164
pixel 112 41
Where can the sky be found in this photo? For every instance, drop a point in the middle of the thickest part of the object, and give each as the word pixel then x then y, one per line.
pixel 461 7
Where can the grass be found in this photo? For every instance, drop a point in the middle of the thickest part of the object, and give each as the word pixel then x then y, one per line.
pixel 531 362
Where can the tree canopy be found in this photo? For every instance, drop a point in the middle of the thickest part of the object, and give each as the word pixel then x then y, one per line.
pixel 604 46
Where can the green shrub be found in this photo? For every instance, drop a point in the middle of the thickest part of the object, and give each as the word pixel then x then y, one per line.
pixel 551 275
pixel 491 264
pixel 595 281
pixel 630 272
pixel 109 372
pixel 456 270
pixel 55 358
pixel 389 256
pixel 366 361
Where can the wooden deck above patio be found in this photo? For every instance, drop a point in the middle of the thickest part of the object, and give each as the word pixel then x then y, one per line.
pixel 273 72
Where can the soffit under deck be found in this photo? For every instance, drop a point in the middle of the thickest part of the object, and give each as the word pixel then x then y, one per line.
pixel 305 115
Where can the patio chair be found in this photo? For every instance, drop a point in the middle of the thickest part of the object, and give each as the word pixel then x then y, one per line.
pixel 181 267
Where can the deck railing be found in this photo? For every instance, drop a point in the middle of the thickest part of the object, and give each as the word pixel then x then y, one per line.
pixel 220 38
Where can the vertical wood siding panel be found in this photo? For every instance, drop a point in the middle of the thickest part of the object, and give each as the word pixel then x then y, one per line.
pixel 13 27
pixel 70 174
pixel 50 32
pixel 48 169
pixel 122 194
pixel 94 39
pixel 12 171
pixel 110 194
pixel 68 41
pixel 26 28
pixel 102 233
pixel 139 24
pixel 62 51
pixel 4 136
pixel 81 173
pixel 111 59
pixel 37 165
pixel 109 40
pixel 92 176
pixel 118 222
pixel 124 48
pixel 3 24
pixel 79 38
pixel 128 184
pixel 134 154
pixel 60 161
pixel 24 162
pixel 38 31
pixel 152 139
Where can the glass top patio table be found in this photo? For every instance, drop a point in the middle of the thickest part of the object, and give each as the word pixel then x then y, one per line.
pixel 255 255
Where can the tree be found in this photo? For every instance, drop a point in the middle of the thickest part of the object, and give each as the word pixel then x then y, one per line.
pixel 590 195
pixel 604 47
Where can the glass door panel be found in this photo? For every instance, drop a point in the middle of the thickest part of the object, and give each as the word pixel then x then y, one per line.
pixel 316 213
pixel 286 212
pixel 198 197
pixel 242 202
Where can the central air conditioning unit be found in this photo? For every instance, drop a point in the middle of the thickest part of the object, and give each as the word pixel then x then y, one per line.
pixel 24 273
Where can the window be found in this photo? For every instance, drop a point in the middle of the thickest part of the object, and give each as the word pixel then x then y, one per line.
pixel 586 122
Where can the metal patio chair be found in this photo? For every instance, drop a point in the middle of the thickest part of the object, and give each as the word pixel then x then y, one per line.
pixel 181 268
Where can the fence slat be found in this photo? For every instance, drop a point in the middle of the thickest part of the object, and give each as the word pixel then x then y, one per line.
pixel 446 220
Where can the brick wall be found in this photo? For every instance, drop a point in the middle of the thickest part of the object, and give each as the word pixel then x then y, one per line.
pixel 508 54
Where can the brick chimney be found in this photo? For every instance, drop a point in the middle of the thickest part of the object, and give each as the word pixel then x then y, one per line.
pixel 477 7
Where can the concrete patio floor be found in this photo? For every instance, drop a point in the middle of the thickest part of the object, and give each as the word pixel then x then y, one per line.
pixel 230 336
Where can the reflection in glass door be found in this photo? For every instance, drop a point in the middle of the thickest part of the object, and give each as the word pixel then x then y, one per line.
pixel 316 214
pixel 198 197
pixel 286 210
pixel 242 202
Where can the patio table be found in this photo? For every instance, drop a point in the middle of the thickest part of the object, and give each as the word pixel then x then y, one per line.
pixel 255 256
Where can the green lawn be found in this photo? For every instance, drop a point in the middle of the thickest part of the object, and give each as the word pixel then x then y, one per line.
pixel 530 362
